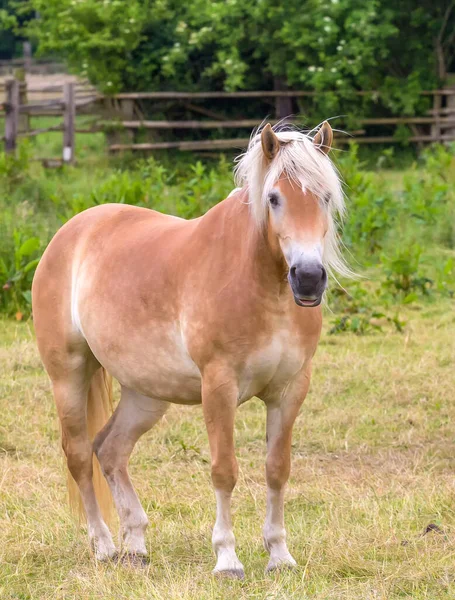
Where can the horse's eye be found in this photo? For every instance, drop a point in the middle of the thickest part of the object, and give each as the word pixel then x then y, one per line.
pixel 274 199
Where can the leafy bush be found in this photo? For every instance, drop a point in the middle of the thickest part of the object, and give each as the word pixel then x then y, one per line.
pixel 372 206
pixel 16 271
pixel 428 196
pixel 423 208
pixel 364 323
pixel 357 310
pixel 404 278
pixel 14 167
pixel 399 234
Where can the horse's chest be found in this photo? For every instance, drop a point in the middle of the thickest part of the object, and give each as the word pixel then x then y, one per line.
pixel 272 363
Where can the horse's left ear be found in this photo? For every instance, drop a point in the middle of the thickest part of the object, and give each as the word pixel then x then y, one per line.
pixel 270 142
pixel 324 138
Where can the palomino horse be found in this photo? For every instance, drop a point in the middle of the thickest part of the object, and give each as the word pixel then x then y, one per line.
pixel 214 310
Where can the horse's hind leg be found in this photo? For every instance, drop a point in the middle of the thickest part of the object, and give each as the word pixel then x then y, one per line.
pixel 70 393
pixel 135 414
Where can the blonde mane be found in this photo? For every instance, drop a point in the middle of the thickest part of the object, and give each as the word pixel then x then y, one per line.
pixel 306 166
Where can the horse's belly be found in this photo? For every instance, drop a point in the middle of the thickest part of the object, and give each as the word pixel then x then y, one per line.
pixel 171 379
pixel 155 364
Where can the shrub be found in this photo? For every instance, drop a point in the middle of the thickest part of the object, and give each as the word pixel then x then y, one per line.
pixel 404 277
pixel 17 267
pixel 394 233
pixel 372 206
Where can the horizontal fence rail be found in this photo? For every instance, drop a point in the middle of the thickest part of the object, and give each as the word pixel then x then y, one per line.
pixel 248 123
pixel 240 143
pixel 255 94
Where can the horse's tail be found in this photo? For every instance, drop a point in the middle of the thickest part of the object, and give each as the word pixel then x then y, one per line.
pixel 99 409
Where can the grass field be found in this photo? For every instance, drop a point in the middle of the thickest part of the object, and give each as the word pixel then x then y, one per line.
pixel 373 467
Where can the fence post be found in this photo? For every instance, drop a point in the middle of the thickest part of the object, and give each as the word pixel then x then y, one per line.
pixel 450 103
pixel 12 114
pixel 436 127
pixel 69 118
pixel 24 118
pixel 27 49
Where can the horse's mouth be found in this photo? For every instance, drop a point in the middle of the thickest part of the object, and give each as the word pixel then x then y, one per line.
pixel 308 301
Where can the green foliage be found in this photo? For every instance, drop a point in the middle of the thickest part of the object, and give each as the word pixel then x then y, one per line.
pixel 17 266
pixel 152 185
pixel 357 310
pixel 391 234
pixel 202 189
pixel 96 37
pixel 364 323
pixel 340 45
pixel 428 194
pixel 14 167
pixel 445 280
pixel 403 275
pixel 8 21
pixel 424 207
pixel 398 233
pixel 372 204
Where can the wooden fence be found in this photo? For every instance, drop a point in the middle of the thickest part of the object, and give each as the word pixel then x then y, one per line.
pixel 17 104
pixel 121 113
pixel 440 120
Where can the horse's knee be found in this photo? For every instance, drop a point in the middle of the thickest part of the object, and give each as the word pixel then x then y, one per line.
pixel 78 457
pixel 277 471
pixel 225 473
pixel 102 437
pixel 106 455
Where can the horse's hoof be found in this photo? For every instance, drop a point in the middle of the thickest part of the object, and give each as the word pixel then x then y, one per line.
pixel 106 556
pixel 230 574
pixel 137 561
pixel 282 565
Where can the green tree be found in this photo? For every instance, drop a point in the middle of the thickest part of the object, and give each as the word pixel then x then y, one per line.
pixel 10 42
pixel 340 45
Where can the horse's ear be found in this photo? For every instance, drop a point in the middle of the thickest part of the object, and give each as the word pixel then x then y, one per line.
pixel 270 142
pixel 324 138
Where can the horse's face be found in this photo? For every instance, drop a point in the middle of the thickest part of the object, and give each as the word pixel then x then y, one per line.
pixel 298 222
pixel 297 226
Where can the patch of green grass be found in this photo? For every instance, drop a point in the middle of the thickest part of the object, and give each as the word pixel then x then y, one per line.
pixel 373 466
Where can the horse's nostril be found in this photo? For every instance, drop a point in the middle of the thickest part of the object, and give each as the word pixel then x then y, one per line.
pixel 293 271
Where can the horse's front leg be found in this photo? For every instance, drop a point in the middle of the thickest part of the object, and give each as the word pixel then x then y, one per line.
pixel 282 411
pixel 219 401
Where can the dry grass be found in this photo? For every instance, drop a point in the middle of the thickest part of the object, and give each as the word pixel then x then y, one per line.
pixel 373 467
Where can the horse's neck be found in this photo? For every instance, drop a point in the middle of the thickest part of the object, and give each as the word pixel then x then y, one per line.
pixel 257 256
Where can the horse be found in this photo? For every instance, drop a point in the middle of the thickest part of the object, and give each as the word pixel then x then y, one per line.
pixel 214 311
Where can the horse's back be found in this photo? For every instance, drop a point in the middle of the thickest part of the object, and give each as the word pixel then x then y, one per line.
pixel 94 225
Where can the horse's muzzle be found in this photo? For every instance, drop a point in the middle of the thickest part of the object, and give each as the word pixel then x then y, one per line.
pixel 308 281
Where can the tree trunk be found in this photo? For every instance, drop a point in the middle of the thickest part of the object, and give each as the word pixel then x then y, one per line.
pixel 283 105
